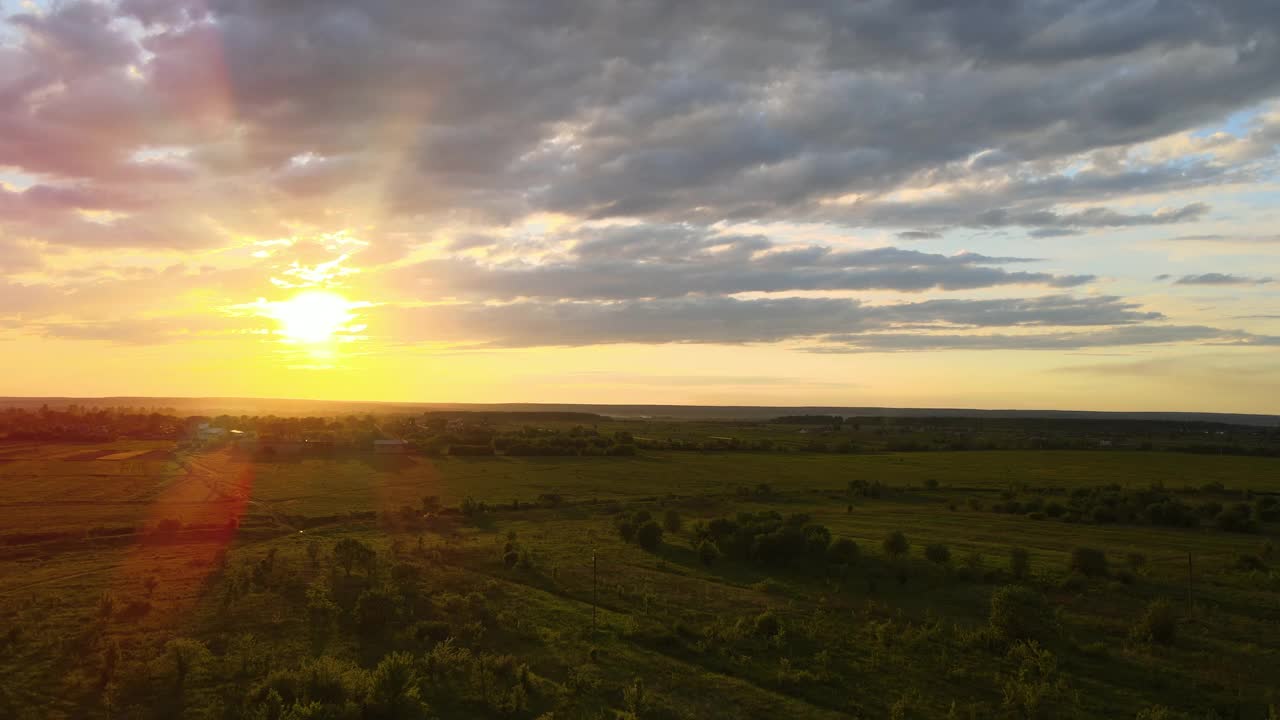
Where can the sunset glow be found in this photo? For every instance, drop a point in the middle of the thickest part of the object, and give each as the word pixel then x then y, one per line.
pixel 812 219
pixel 312 317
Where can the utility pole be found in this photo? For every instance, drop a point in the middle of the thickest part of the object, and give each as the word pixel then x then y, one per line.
pixel 593 594
pixel 1190 585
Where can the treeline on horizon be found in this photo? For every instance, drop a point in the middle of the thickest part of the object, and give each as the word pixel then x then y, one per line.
pixel 564 433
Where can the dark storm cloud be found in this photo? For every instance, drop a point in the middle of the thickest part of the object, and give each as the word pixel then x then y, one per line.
pixel 1214 278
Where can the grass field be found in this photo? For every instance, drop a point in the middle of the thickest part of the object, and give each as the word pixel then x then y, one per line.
pixel 883 638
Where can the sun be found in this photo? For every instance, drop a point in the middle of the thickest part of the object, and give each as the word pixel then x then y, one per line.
pixel 315 316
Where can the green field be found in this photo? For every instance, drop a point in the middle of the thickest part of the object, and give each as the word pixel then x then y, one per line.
pixel 881 637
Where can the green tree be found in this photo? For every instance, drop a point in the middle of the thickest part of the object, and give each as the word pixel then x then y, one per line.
pixel 649 535
pixel 183 657
pixel 938 554
pixel 895 544
pixel 1089 562
pixel 707 553
pixel 349 553
pixel 1019 613
pixel 321 612
pixel 843 552
pixel 1158 624
pixel 1019 563
pixel 394 692
pixel 376 609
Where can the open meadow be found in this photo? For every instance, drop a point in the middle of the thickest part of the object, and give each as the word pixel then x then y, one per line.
pixel 144 579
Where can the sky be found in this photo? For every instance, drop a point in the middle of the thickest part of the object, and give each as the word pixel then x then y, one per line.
pixel 998 204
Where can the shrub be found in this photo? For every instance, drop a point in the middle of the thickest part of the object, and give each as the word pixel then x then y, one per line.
pixel 671 521
pixel 1018 613
pixel 1248 562
pixel 1236 518
pixel 843 552
pixel 707 553
pixel 766 624
pixel 134 610
pixel 1075 582
pixel 1089 562
pixel 937 554
pixel 510 558
pixel 626 529
pixel 767 585
pixel 1019 563
pixel 895 544
pixel 649 535
pixel 1158 624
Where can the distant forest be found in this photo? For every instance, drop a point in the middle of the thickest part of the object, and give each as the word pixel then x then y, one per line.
pixel 565 433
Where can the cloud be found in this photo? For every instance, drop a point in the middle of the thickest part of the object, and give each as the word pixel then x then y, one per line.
pixel 698 113
pixel 1221 238
pixel 1214 278
pixel 918 235
pixel 673 261
pixel 698 319
pixel 1090 218
pixel 1108 337
pixel 569 173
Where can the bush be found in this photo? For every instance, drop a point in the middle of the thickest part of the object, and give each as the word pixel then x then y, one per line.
pixel 895 544
pixel 1248 562
pixel 1158 624
pixel 671 521
pixel 1075 582
pixel 1018 613
pixel 938 554
pixel 1089 562
pixel 707 553
pixel 843 552
pixel 626 529
pixel 1019 563
pixel 649 535
pixel 766 624
pixel 1236 518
